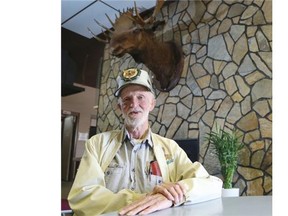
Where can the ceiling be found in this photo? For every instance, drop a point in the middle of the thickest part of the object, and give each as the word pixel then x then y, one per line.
pixel 78 15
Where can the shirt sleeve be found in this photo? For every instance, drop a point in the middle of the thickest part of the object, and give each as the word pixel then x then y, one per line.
pixel 88 195
pixel 200 185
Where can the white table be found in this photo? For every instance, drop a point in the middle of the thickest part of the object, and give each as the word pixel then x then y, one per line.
pixel 226 206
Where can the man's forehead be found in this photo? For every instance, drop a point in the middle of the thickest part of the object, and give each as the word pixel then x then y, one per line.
pixel 129 89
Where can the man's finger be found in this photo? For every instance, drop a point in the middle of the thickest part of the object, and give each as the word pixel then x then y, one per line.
pixel 164 191
pixel 158 204
pixel 147 205
pixel 135 207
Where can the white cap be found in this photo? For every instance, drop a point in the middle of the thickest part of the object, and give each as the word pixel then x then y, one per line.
pixel 133 76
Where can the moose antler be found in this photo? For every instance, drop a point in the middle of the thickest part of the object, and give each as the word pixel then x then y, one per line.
pixel 150 20
pixel 122 24
pixel 98 38
pixel 133 35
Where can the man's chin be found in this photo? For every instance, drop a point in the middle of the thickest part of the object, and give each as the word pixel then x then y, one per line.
pixel 133 122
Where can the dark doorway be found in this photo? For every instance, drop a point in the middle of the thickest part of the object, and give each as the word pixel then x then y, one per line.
pixel 191 147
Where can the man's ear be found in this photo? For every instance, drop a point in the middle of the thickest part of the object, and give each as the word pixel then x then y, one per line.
pixel 119 106
pixel 153 104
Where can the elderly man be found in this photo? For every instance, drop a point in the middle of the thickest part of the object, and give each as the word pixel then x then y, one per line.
pixel 133 170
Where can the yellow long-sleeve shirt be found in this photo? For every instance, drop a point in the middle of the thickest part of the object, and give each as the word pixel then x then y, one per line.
pixel 89 195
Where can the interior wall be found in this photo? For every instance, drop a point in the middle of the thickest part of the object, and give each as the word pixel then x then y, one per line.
pixel 83 104
pixel 226 81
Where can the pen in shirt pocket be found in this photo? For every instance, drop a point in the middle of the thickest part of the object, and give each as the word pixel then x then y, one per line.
pixel 154 168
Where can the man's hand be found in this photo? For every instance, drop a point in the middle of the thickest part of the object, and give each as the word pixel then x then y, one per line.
pixel 172 191
pixel 147 205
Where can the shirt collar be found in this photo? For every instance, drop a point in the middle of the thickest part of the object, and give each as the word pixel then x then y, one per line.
pixel 148 139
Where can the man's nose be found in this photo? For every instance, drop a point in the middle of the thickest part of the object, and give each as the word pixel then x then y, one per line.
pixel 134 102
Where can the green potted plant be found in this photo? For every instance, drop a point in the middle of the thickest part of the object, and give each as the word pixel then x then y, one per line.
pixel 227 146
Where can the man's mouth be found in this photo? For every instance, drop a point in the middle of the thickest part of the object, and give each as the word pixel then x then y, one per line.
pixel 134 112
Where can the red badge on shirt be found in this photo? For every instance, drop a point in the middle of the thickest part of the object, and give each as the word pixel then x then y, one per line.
pixel 155 169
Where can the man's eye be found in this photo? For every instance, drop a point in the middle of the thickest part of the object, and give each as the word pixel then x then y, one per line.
pixel 125 100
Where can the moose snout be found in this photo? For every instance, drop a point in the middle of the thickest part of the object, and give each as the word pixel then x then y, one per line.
pixel 116 51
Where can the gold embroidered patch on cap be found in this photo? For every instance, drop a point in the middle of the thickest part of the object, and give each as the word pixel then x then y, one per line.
pixel 130 74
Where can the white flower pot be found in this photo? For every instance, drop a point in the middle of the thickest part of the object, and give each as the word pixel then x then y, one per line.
pixel 231 192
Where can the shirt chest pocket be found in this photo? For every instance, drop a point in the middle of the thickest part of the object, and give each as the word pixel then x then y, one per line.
pixel 153 180
pixel 113 174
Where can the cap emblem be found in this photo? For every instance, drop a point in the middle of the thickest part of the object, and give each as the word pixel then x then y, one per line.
pixel 130 74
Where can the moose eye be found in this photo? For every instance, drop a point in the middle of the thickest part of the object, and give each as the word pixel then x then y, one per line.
pixel 136 30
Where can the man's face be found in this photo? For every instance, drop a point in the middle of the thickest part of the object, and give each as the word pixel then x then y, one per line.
pixel 136 103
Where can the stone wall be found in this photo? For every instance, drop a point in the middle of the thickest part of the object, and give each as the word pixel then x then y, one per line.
pixel 226 80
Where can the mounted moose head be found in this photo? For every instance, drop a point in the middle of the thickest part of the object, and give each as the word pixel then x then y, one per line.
pixel 134 35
